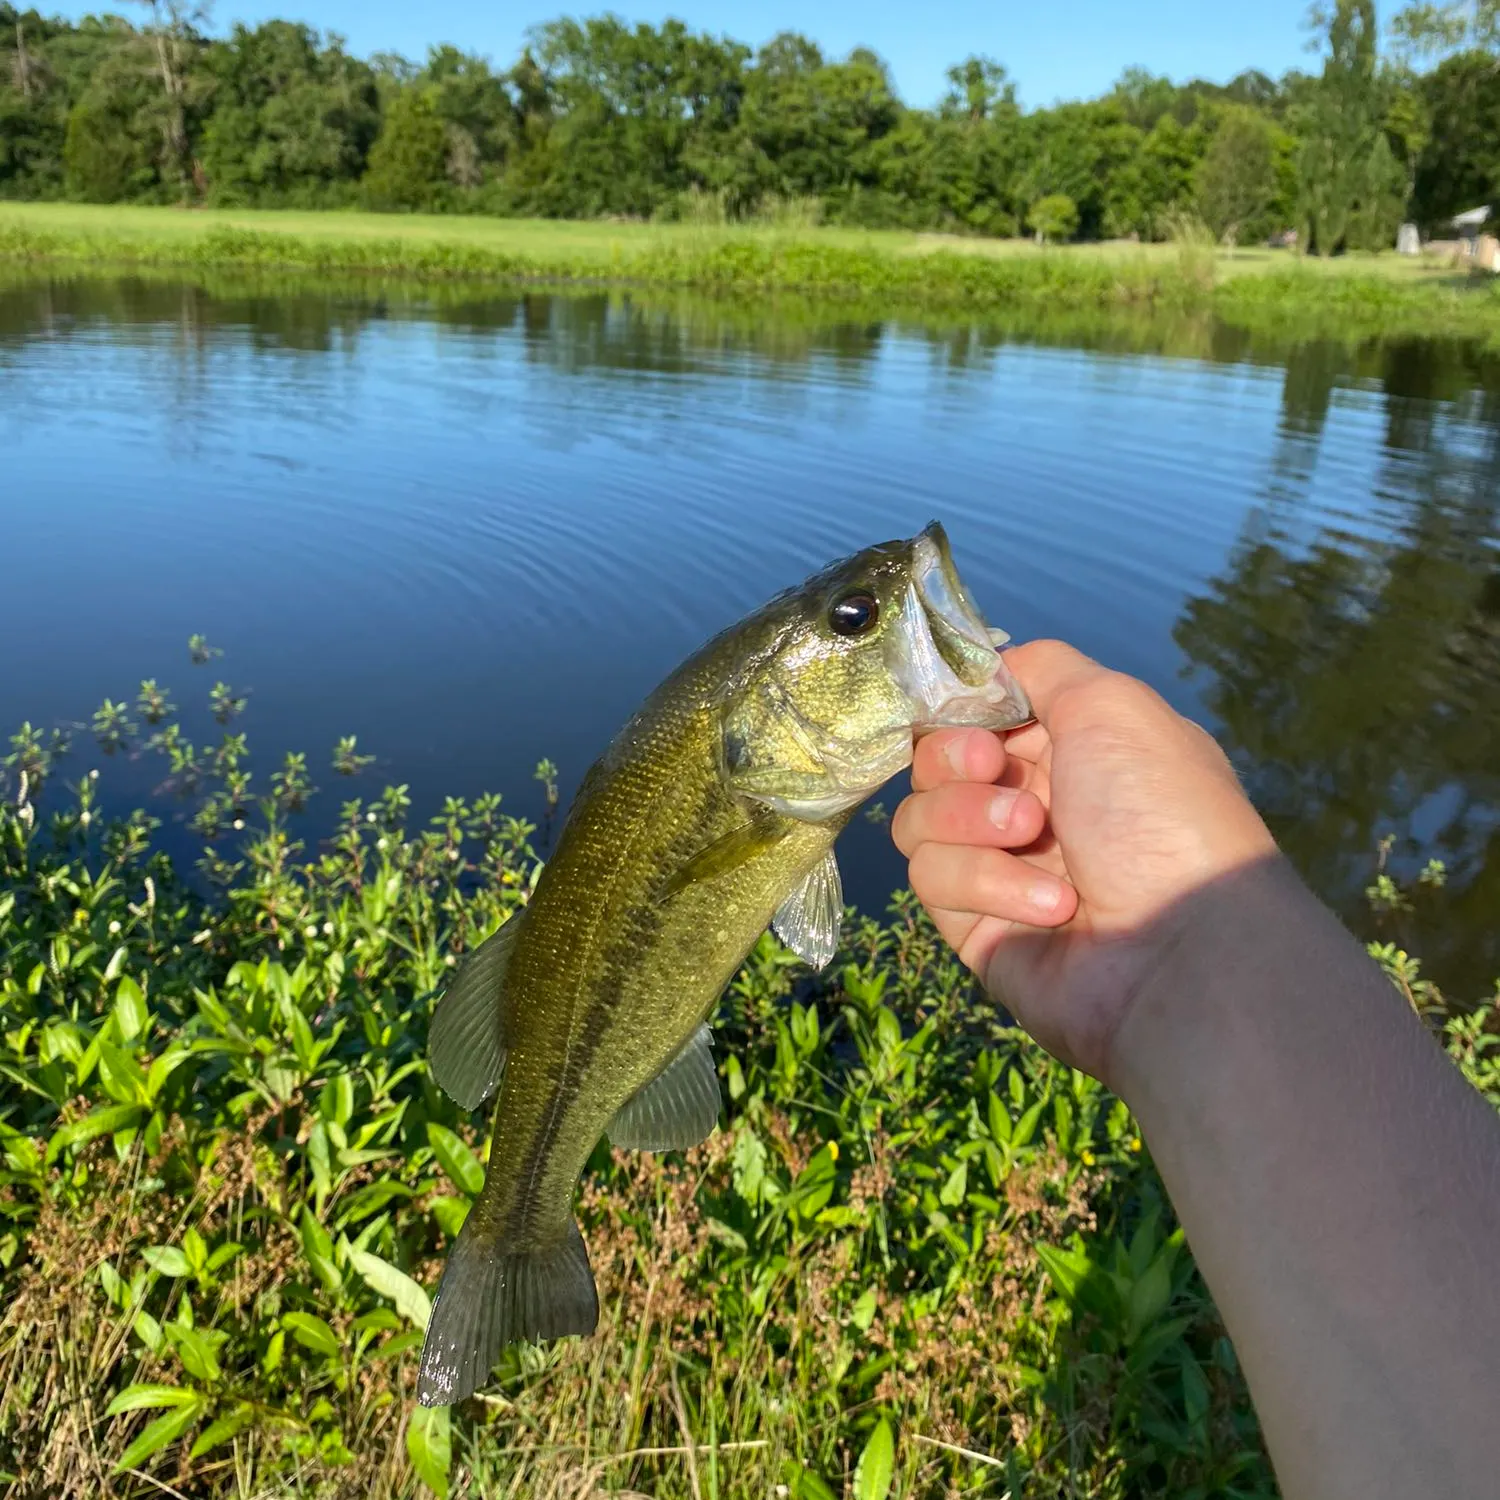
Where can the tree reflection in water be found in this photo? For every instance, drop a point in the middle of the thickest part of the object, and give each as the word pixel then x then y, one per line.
pixel 1355 678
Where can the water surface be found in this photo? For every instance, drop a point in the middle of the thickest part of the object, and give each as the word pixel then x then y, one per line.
pixel 476 528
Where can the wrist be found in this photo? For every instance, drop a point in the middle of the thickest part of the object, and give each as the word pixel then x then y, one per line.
pixel 1245 961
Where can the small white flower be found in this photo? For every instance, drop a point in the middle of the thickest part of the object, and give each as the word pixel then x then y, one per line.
pixel 380 842
pixel 449 960
pixel 312 929
pixel 238 824
pixel 202 937
pixel 369 817
pixel 85 818
pixel 328 929
pixel 94 775
pixel 114 926
pixel 452 855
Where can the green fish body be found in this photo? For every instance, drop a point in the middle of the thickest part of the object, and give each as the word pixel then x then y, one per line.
pixel 711 816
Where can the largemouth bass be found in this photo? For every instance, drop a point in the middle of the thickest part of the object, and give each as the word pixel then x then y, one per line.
pixel 710 817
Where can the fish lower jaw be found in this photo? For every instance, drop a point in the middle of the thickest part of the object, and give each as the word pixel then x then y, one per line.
pixel 969 713
pixel 820 809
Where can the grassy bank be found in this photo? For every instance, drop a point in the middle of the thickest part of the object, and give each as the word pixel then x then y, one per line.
pixel 919 1258
pixel 891 271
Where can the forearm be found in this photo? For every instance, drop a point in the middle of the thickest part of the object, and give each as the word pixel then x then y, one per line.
pixel 1339 1183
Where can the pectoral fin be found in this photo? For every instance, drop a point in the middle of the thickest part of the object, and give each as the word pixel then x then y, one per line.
pixel 809 920
pixel 467 1041
pixel 737 847
pixel 678 1108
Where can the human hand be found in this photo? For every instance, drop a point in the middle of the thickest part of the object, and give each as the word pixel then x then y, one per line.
pixel 1056 859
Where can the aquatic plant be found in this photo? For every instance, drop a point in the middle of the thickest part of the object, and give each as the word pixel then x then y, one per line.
pixel 919 1258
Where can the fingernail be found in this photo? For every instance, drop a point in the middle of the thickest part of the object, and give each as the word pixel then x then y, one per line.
pixel 1002 806
pixel 956 753
pixel 1045 895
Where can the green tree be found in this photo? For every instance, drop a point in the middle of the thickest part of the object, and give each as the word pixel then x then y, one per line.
pixel 979 89
pixel 108 150
pixel 1143 98
pixel 1077 150
pixel 1236 179
pixel 118 144
pixel 293 117
pixel 33 107
pixel 1459 167
pixel 1408 124
pixel 1355 677
pixel 1348 177
pixel 1427 30
pixel 599 117
pixel 478 114
pixel 409 160
pixel 621 119
pixel 818 128
pixel 175 41
pixel 1054 217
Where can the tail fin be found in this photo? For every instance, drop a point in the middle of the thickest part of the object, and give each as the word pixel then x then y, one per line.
pixel 489 1298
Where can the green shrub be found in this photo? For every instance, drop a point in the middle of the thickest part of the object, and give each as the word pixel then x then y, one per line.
pixel 1054 217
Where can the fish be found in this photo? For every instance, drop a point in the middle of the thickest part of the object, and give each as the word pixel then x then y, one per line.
pixel 710 817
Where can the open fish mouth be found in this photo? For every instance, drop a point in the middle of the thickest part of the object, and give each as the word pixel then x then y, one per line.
pixel 944 656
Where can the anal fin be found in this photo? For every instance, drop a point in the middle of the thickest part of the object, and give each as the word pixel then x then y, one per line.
pixel 678 1108
pixel 466 1042
pixel 810 919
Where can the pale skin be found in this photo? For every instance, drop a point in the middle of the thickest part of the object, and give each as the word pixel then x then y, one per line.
pixel 1103 873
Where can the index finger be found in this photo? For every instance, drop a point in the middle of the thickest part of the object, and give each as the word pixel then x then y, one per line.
pixel 1046 669
pixel 956 755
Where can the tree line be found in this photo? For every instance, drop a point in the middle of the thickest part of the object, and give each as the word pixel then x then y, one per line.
pixel 600 118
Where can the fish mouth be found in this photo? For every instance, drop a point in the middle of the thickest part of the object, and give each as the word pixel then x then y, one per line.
pixel 946 656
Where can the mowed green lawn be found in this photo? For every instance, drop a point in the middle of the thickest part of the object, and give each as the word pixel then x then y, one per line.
pixel 604 241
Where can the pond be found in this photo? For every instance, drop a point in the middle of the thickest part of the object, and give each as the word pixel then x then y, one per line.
pixel 474 527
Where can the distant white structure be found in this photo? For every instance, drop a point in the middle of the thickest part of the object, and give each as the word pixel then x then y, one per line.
pixel 1468 225
pixel 1408 241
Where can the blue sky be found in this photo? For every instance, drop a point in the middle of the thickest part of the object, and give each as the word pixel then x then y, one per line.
pixel 1054 50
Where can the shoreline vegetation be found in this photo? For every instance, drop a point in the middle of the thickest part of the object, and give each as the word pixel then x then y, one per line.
pixel 873 273
pixel 918 1258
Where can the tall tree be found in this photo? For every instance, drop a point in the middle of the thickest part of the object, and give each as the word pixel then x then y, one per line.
pixel 1425 30
pixel 1348 176
pixel 174 32
pixel 33 107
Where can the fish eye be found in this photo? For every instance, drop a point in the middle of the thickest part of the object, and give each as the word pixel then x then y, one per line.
pixel 853 614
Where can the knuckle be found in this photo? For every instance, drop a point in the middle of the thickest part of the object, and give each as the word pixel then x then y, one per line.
pixel 906 824
pixel 926 869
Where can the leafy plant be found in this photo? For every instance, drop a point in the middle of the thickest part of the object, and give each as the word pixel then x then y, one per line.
pixel 918 1256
